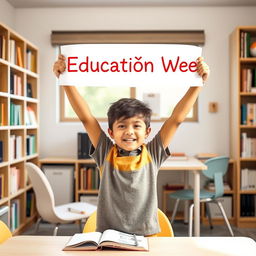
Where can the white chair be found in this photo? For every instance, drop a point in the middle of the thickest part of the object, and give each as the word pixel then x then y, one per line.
pixel 46 205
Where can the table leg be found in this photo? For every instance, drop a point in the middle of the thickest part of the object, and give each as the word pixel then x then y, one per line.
pixel 196 203
pixel 186 203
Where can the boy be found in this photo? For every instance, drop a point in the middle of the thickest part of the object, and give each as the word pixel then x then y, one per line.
pixel 128 169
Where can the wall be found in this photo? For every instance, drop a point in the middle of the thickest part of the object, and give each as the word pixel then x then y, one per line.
pixel 210 134
pixel 7 13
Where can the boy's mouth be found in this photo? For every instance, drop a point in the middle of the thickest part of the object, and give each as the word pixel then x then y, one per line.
pixel 129 140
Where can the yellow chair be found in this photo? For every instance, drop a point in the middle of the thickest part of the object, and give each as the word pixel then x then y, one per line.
pixel 90 225
pixel 5 232
pixel 165 225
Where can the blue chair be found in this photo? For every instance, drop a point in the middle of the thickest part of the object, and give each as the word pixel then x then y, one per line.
pixel 217 167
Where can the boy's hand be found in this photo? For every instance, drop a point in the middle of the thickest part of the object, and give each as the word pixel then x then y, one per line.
pixel 59 66
pixel 202 68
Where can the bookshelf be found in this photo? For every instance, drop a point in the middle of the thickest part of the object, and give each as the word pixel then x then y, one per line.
pixel 19 129
pixel 243 122
pixel 86 176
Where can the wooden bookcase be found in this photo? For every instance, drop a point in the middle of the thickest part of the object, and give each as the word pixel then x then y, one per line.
pixel 79 164
pixel 19 129
pixel 242 93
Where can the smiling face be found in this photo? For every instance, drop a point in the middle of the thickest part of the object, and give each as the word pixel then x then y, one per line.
pixel 129 134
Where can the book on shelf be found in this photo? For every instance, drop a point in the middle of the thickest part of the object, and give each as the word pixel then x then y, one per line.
pixel 15 53
pixel 12 50
pixel 15 114
pixel 248 146
pixel 2 117
pixel 30 207
pixel 108 239
pixel 15 214
pixel 14 179
pixel 15 84
pixel 19 59
pixel 29 92
pixel 248 179
pixel 248 80
pixel 15 147
pixel 30 116
pixel 31 61
pixel 247 205
pixel 245 41
pixel 248 114
pixel 89 178
pixel 83 146
pixel 30 144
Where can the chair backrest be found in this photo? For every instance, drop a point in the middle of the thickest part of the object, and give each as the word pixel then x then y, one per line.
pixel 44 194
pixel 5 232
pixel 216 169
pixel 90 225
pixel 165 225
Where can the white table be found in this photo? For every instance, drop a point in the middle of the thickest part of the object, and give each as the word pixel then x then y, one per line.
pixel 158 246
pixel 196 166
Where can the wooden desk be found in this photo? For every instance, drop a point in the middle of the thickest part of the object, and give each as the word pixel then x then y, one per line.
pixel 191 164
pixel 158 246
pixel 196 166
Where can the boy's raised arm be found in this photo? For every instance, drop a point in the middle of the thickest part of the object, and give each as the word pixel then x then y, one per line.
pixel 79 105
pixel 183 106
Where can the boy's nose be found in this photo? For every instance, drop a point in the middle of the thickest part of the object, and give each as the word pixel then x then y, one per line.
pixel 129 131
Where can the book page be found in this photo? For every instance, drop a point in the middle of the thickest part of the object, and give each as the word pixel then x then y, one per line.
pixel 80 238
pixel 123 238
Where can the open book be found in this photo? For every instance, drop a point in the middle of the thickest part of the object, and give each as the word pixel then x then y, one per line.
pixel 109 238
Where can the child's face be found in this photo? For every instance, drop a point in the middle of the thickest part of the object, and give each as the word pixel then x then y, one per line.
pixel 129 134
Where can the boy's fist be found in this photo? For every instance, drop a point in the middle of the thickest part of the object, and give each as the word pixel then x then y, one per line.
pixel 59 66
pixel 202 68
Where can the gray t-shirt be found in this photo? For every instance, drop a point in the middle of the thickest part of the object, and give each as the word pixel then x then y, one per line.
pixel 128 189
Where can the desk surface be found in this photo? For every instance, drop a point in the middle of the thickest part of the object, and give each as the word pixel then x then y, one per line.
pixel 158 246
pixel 190 164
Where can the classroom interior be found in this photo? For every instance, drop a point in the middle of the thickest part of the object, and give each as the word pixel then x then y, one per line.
pixel 50 138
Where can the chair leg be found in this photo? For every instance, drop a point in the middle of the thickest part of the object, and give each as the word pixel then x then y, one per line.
pixel 55 231
pixel 37 225
pixel 80 226
pixel 190 220
pixel 225 217
pixel 209 215
pixel 175 210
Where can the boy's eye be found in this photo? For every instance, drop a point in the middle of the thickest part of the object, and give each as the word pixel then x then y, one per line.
pixel 137 126
pixel 120 126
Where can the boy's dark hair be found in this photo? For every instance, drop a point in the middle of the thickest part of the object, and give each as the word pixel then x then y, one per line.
pixel 126 108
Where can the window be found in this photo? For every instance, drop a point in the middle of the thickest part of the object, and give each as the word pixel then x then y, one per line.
pixel 99 98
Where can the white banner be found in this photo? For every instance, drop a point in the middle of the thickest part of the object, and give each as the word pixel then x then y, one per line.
pixel 131 65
